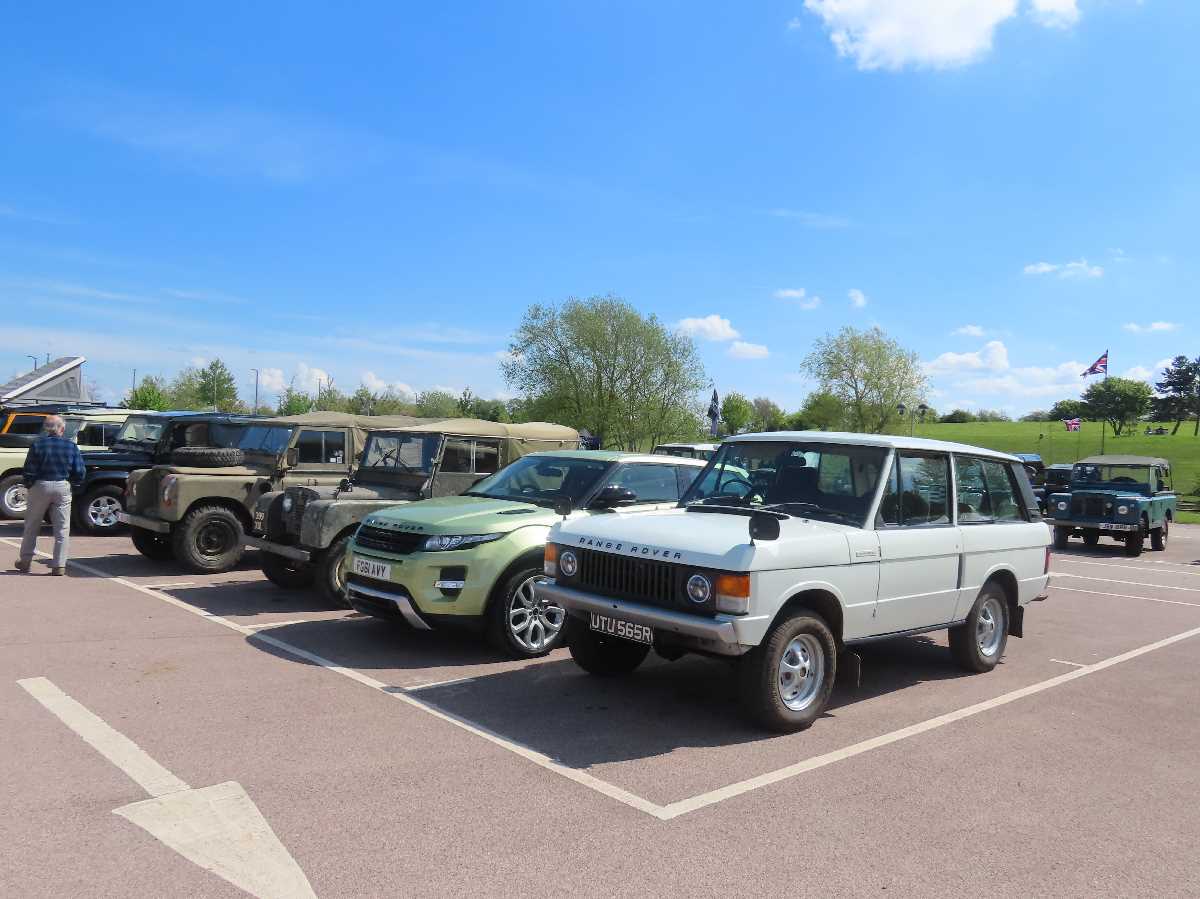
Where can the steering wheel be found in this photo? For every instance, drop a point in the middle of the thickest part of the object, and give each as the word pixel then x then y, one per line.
pixel 736 482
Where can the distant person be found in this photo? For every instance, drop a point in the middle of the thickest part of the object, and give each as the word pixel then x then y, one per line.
pixel 51 467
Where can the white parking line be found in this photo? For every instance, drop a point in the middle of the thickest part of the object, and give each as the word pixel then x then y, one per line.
pixel 1072 664
pixel 632 800
pixel 1170 602
pixel 1195 569
pixel 171 586
pixel 260 627
pixel 1108 580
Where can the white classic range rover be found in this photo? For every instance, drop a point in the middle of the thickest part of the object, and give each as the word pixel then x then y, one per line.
pixel 792 547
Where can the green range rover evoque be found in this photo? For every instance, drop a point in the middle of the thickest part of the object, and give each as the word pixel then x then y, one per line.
pixel 474 559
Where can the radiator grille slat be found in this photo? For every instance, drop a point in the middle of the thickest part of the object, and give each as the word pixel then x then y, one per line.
pixel 638 579
pixel 398 542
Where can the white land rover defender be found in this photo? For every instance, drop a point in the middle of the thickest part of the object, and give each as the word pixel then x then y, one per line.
pixel 791 548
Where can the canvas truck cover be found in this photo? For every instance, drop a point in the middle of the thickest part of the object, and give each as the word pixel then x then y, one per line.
pixel 360 423
pixel 521 439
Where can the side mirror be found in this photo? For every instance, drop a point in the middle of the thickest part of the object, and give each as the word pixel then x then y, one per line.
pixel 291 457
pixel 563 506
pixel 613 496
pixel 763 527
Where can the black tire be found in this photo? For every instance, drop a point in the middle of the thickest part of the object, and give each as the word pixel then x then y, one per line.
pixel 330 574
pixel 1158 536
pixel 287 573
pixel 1135 542
pixel 14 497
pixel 1091 538
pixel 152 545
pixel 208 456
pixel 1061 536
pixel 95 511
pixel 209 539
pixel 978 643
pixel 806 637
pixel 521 624
pixel 603 656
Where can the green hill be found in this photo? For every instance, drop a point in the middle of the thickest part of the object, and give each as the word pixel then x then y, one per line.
pixel 1056 444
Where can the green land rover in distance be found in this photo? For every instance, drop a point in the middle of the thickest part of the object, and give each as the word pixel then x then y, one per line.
pixel 474 559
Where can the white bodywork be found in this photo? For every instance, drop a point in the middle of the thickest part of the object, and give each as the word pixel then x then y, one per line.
pixel 887 580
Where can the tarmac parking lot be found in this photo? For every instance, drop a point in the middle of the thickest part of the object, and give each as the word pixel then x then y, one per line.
pixel 362 759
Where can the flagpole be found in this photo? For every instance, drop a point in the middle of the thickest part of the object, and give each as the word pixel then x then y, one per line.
pixel 1103 421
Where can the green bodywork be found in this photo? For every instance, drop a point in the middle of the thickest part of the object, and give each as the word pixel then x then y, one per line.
pixel 522 528
pixel 1117 494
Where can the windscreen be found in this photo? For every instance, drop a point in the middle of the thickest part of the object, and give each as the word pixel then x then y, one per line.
pixel 826 481
pixel 543 479
pixel 1111 474
pixel 399 454
pixel 139 429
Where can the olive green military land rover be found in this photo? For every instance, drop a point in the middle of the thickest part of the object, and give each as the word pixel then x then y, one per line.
pixel 197 508
pixel 473 559
pixel 303 531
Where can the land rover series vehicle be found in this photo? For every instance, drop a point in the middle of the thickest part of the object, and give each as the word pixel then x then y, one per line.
pixel 833 540
pixel 198 507
pixel 303 531
pixel 144 439
pixel 1128 498
pixel 702 451
pixel 473 560
pixel 92 427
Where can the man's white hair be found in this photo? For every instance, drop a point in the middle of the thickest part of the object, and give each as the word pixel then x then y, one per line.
pixel 54 425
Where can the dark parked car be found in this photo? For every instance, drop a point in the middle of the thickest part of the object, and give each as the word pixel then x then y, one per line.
pixel 1058 478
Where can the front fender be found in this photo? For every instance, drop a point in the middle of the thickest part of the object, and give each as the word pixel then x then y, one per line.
pixel 325 519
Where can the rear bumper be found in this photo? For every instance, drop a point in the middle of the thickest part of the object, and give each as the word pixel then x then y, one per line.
pixel 1093 525
pixel 722 635
pixel 140 521
pixel 279 549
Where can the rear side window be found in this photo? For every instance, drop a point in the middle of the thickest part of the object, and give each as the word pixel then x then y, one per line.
pixel 26 424
pixel 321 447
pixel 986 492
pixel 650 483
pixel 487 456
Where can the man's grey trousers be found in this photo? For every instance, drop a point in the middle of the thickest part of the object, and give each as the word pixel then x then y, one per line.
pixel 55 496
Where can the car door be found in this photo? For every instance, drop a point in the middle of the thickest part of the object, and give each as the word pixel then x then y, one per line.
pixel 995 526
pixel 919 545
pixel 464 461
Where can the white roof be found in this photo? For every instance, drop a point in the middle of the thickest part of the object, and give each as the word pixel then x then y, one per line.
pixel 700 446
pixel 660 459
pixel 888 441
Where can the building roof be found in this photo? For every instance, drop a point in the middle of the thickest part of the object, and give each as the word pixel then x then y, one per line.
pixel 1123 460
pixel 888 441
pixel 60 381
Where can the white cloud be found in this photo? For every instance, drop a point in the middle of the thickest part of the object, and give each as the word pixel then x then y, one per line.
pixel 710 327
pixel 271 380
pixel 819 221
pixel 1138 373
pixel 794 23
pixel 1055 13
pixel 310 379
pixel 376 384
pixel 968 331
pixel 742 350
pixel 1080 268
pixel 1135 328
pixel 799 296
pixel 858 299
pixel 893 34
pixel 993 357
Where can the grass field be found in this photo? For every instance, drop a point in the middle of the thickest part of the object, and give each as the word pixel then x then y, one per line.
pixel 1056 444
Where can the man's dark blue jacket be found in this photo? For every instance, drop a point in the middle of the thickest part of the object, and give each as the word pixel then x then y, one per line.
pixel 54 459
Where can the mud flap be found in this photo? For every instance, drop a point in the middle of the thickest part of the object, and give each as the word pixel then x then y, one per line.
pixel 1016 622
pixel 849 668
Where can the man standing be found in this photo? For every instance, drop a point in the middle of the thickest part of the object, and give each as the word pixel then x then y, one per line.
pixel 51 467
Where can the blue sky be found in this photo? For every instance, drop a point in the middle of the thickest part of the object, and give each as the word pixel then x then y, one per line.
pixel 375 193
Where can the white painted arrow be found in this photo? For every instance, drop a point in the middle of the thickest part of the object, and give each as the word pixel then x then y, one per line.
pixel 218 828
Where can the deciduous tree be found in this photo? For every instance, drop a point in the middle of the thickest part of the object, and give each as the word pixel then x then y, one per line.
pixel 736 413
pixel 1119 401
pixel 150 394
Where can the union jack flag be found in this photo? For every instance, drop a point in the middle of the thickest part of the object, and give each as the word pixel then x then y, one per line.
pixel 1099 367
pixel 1072 423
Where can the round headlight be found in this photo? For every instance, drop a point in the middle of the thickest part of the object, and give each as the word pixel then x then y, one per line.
pixel 288 502
pixel 568 564
pixel 1062 506
pixel 1122 510
pixel 699 588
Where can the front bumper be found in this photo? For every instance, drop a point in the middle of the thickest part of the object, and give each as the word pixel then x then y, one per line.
pixel 384 604
pixel 724 635
pixel 417 575
pixel 1093 525
pixel 279 549
pixel 140 521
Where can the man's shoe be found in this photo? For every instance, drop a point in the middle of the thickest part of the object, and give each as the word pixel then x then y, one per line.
pixel 22 566
pixel 58 572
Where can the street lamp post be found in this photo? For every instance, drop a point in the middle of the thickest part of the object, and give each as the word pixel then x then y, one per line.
pixel 34 358
pixel 255 370
pixel 920 411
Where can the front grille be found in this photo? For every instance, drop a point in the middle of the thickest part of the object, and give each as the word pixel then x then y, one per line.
pixel 647 581
pixel 1088 506
pixel 399 542
pixel 145 491
pixel 293 519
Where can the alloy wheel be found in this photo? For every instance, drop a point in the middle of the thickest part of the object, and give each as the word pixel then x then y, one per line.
pixel 102 512
pixel 801 672
pixel 533 622
pixel 989 626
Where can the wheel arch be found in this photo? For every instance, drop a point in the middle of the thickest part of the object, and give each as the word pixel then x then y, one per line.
pixel 820 598
pixel 232 505
pixel 1006 579
pixel 531 558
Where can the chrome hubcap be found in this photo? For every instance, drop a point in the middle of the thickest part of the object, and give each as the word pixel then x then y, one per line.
pixel 801 672
pixel 533 622
pixel 16 497
pixel 102 511
pixel 989 627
